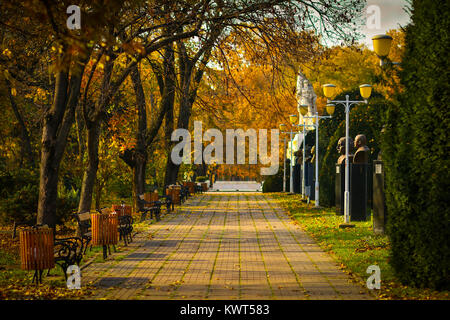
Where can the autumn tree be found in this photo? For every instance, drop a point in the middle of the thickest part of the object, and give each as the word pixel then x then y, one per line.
pixel 279 26
pixel 125 41
pixel 45 58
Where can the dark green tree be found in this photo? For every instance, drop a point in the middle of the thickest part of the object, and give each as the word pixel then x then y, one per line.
pixel 416 152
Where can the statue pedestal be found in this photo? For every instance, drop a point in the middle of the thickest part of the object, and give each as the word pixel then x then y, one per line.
pixel 309 181
pixel 307 172
pixel 297 178
pixel 357 189
pixel 379 201
pixel 339 189
pixel 288 176
pixel 358 192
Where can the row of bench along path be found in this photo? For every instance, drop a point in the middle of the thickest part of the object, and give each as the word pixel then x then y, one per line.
pixel 223 246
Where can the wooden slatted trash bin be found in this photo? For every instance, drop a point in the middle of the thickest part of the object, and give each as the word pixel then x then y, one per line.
pixel 118 208
pixel 127 210
pixel 151 196
pixel 104 230
pixel 175 193
pixel 36 251
pixel 190 185
pixel 122 210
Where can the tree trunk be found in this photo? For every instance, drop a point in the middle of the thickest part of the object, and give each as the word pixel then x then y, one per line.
pixel 172 169
pixel 80 129
pixel 48 185
pixel 98 194
pixel 168 128
pixel 93 121
pixel 139 178
pixel 140 155
pixel 90 173
pixel 189 87
pixel 57 123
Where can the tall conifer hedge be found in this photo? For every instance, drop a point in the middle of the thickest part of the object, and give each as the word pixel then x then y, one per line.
pixel 416 152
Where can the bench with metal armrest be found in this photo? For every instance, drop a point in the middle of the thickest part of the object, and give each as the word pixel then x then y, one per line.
pixel 69 251
pixel 167 201
pixel 184 193
pixel 66 251
pixel 198 188
pixel 125 228
pixel 84 228
pixel 154 207
pixel 125 220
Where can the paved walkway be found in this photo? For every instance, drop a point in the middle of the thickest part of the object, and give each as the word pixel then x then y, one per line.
pixel 223 246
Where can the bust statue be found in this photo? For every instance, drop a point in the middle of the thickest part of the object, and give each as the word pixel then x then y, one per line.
pixel 362 151
pixel 298 156
pixel 341 149
pixel 308 154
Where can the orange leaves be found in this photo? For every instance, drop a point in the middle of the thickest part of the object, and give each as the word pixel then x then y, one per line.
pixel 348 67
pixel 7 53
pixel 130 144
pixel 133 47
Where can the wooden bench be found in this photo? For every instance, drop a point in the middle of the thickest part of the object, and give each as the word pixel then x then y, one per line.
pixel 84 227
pixel 154 207
pixel 69 251
pixel 198 188
pixel 167 200
pixel 184 192
pixel 125 218
pixel 191 186
pixel 66 252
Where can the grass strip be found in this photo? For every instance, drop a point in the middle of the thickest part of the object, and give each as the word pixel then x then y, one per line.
pixel 355 249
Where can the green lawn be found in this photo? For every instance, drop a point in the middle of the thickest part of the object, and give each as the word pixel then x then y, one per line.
pixel 354 248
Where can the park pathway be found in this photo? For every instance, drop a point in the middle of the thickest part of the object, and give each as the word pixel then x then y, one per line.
pixel 222 246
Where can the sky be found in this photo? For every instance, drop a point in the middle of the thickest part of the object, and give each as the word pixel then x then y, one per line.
pixel 383 15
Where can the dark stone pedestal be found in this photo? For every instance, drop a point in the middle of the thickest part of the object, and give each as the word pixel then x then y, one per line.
pixel 358 192
pixel 379 201
pixel 339 189
pixel 357 188
pixel 307 172
pixel 288 175
pixel 310 181
pixel 297 180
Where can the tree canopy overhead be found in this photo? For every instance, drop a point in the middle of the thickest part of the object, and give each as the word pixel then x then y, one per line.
pixel 55 77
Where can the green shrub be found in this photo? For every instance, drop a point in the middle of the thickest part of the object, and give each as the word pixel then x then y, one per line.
pixel 68 200
pixel 20 206
pixel 19 194
pixel 273 183
pixel 201 178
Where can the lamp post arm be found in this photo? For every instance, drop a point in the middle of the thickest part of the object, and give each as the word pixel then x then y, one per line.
pixel 386 61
